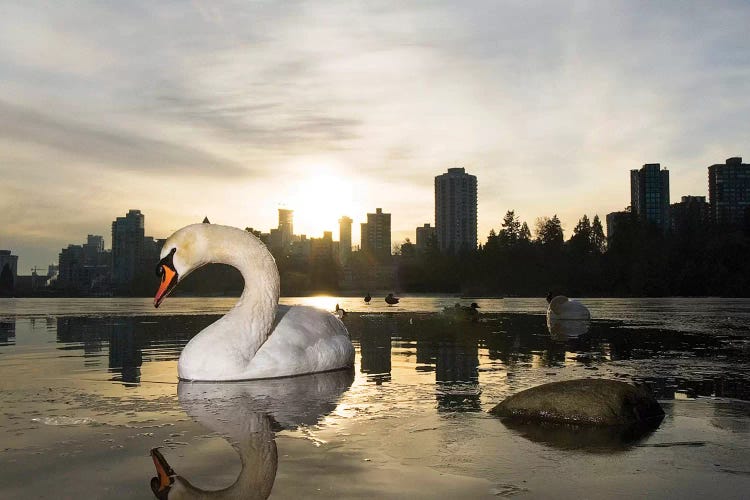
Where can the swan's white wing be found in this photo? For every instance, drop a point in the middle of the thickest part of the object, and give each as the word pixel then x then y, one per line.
pixel 562 308
pixel 304 340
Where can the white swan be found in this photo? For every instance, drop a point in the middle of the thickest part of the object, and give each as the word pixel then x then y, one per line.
pixel 563 308
pixel 257 338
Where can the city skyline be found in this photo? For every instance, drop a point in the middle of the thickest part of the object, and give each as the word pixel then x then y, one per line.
pixel 232 111
pixel 286 216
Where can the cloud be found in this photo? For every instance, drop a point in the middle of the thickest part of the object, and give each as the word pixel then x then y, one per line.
pixel 64 140
pixel 264 126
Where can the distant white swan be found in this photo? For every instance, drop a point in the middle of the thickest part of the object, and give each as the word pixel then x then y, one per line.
pixel 257 338
pixel 563 308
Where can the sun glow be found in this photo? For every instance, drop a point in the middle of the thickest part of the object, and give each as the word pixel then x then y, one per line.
pixel 319 200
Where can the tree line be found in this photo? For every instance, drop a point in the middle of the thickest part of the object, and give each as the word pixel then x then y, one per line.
pixel 640 260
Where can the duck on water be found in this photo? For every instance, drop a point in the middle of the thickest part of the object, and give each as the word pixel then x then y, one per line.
pixel 463 312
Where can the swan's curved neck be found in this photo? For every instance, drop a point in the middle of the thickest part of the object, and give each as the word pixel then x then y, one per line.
pixel 260 296
pixel 229 344
pixel 259 456
pixel 255 312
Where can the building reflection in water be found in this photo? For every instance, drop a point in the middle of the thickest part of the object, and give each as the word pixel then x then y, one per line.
pixel 443 348
pixel 88 333
pixel 7 332
pixel 457 376
pixel 91 334
pixel 130 340
pixel 720 386
pixel 125 352
pixel 440 347
pixel 375 350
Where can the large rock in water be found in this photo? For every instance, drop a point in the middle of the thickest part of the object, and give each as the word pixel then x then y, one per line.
pixel 583 402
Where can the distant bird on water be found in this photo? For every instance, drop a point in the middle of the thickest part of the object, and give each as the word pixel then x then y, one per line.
pixel 339 312
pixel 459 312
pixel 390 299
pixel 368 298
pixel 562 308
pixel 471 311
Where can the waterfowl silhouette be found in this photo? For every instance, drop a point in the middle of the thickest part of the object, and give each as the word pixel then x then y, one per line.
pixel 459 312
pixel 339 312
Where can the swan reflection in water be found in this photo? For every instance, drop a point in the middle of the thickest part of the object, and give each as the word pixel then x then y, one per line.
pixel 562 329
pixel 247 414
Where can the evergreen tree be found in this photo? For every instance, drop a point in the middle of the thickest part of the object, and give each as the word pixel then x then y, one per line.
pixel 550 232
pixel 580 242
pixel 407 249
pixel 511 231
pixel 492 242
pixel 525 234
pixel 598 240
pixel 583 228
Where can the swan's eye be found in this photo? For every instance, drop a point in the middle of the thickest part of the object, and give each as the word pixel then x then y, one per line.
pixel 166 261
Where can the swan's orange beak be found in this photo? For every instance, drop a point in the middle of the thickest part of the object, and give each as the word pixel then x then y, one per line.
pixel 168 274
pixel 164 475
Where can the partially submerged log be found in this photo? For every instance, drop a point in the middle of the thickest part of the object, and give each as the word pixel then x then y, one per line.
pixel 583 402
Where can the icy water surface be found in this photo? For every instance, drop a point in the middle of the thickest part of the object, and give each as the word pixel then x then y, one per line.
pixel 89 386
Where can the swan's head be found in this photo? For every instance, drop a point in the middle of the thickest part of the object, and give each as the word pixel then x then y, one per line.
pixel 199 244
pixel 165 476
pixel 182 253
pixel 168 485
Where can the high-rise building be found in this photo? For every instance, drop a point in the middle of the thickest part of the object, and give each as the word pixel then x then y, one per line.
pixel 456 211
pixel 321 249
pixel 425 237
pixel 615 221
pixel 729 192
pixel 84 268
pixel 286 227
pixel 345 239
pixel 649 194
pixel 376 234
pixel 127 247
pixel 72 271
pixel 689 214
pixel 92 250
pixel 8 270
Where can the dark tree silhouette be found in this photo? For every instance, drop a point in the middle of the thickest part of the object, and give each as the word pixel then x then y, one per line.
pixel 598 240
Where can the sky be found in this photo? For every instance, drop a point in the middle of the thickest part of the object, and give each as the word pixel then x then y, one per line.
pixel 234 109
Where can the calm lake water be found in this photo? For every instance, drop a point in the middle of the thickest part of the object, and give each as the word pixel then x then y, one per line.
pixel 89 386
